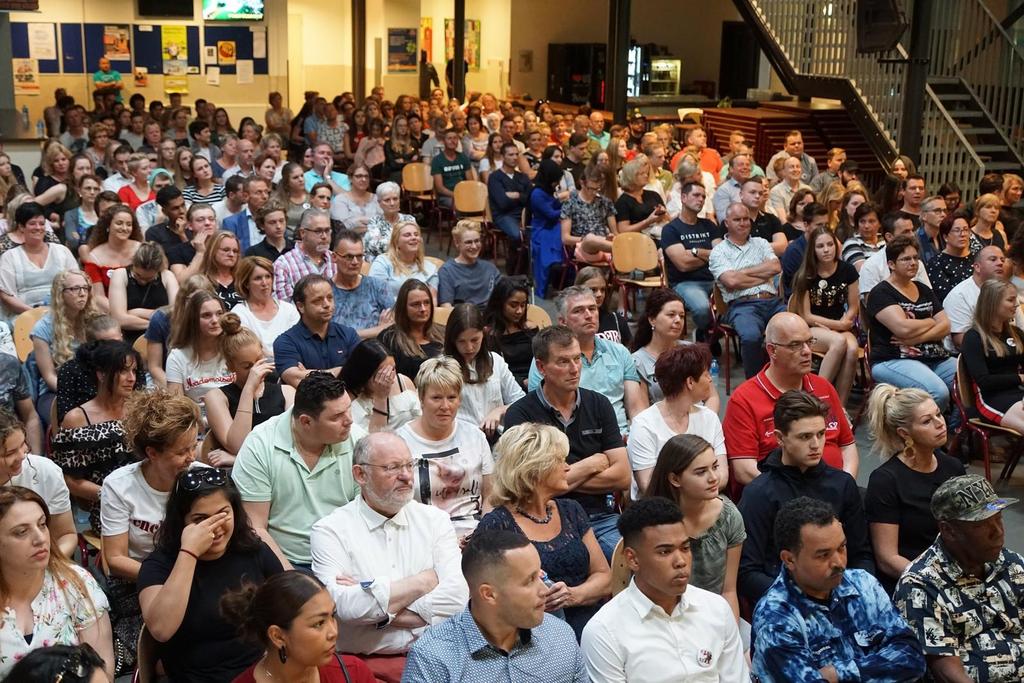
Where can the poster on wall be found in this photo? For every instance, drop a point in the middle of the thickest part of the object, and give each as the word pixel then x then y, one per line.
pixel 472 43
pixel 117 43
pixel 402 56
pixel 42 41
pixel 174 43
pixel 26 76
pixel 176 84
pixel 427 36
pixel 141 74
pixel 226 53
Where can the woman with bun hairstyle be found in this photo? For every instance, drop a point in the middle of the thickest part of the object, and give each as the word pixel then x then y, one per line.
pixel 255 395
pixel 909 431
pixel 204 549
pixel 292 616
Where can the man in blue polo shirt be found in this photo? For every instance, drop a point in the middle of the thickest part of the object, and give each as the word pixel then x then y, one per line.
pixel 316 342
pixel 323 170
pixel 608 368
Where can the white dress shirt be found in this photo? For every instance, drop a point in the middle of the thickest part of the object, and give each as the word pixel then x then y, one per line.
pixel 876 269
pixel 632 639
pixel 374 550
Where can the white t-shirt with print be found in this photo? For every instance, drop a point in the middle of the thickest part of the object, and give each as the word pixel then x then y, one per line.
pixel 196 377
pixel 45 477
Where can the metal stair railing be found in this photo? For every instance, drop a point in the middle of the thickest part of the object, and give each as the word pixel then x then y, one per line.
pixel 945 152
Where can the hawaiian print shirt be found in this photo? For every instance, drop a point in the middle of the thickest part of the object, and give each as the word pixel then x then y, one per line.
pixel 976 619
pixel 859 633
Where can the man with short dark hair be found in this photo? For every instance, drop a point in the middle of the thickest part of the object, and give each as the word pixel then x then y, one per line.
pixel 504 630
pixel 234 201
pixel 311 254
pixel 121 177
pixel 822 621
pixel 794 469
pixel 133 135
pixel 794 147
pixel 449 168
pixel 361 301
pixel 913 196
pixel 174 230
pixel 323 170
pixel 296 467
pixel 849 171
pixel 243 223
pixel 272 222
pixel 876 266
pixel 598 466
pixel 659 628
pixel 964 596
pixel 576 157
pixel 508 192
pixel 201 134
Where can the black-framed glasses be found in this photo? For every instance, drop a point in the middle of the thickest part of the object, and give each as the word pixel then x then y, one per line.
pixel 196 478
pixel 76 288
pixel 393 469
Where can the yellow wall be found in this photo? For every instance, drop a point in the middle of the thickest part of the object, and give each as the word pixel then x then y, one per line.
pixel 242 100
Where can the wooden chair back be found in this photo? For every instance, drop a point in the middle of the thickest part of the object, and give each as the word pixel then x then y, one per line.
pixel 23 325
pixel 470 197
pixel 621 574
pixel 538 316
pixel 416 178
pixel 146 670
pixel 634 251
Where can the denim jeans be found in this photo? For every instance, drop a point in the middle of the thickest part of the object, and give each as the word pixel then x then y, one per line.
pixel 935 377
pixel 606 529
pixel 697 299
pixel 749 319
pixel 509 224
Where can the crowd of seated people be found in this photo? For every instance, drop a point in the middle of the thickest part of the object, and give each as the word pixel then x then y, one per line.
pixel 310 450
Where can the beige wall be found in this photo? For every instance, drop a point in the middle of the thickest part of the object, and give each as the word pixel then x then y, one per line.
pixel 242 100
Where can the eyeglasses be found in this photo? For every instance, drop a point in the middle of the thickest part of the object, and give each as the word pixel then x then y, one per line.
pixel 319 232
pixel 392 470
pixel 908 259
pixel 351 257
pixel 76 289
pixel 194 479
pixel 796 345
pixel 962 230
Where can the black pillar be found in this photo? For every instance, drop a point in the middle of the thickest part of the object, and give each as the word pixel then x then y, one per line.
pixel 459 59
pixel 917 78
pixel 618 54
pixel 359 49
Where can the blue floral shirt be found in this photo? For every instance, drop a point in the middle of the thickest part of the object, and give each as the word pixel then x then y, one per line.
pixel 858 632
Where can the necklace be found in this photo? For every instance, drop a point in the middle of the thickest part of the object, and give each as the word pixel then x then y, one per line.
pixel 537 520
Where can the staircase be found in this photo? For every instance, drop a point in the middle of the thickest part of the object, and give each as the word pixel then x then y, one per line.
pixel 973 118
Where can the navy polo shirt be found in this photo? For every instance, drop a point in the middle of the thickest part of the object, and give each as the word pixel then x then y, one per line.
pixel 300 345
pixel 593 428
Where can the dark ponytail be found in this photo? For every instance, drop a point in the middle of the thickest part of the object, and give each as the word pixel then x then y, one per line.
pixel 254 609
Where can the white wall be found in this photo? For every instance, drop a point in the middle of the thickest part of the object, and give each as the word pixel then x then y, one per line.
pixel 241 100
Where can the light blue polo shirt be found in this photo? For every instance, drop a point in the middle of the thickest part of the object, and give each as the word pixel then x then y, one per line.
pixel 270 469
pixel 606 373
pixel 311 178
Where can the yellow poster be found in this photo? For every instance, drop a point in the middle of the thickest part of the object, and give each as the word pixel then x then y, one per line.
pixel 26 76
pixel 427 37
pixel 178 84
pixel 174 42
pixel 471 42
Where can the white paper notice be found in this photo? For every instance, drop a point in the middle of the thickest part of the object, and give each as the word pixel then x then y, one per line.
pixel 243 68
pixel 213 75
pixel 42 41
pixel 259 43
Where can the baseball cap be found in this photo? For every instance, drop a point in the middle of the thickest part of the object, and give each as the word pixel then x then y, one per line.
pixel 637 116
pixel 967 498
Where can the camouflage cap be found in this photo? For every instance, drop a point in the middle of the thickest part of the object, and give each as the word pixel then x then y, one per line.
pixel 967 498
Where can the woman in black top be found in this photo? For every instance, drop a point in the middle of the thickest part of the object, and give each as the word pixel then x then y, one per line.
pixel 906 425
pixel 206 542
pixel 611 325
pixel 993 350
pixel 954 263
pixel 511 334
pixel 907 326
pixel 414 337
pixel 256 395
pixel 138 291
pixel 826 295
pixel 637 209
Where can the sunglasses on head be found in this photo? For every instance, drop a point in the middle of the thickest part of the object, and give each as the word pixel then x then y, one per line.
pixel 196 478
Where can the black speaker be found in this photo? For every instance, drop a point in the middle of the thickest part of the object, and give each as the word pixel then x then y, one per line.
pixel 880 25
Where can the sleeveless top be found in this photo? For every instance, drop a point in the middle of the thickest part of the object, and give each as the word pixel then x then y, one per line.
pixel 149 296
pixel 268 405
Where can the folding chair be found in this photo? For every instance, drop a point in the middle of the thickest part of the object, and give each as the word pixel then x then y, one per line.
pixel 720 328
pixel 965 393
pixel 633 255
pixel 23 325
pixel 471 204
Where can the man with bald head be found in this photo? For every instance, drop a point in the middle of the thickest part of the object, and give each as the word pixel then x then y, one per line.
pixel 961 301
pixel 729 191
pixel 391 564
pixel 744 268
pixel 749 425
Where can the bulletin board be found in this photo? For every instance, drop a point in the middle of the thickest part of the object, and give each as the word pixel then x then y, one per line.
pixel 93 34
pixel 147 47
pixel 71 48
pixel 19 48
pixel 242 37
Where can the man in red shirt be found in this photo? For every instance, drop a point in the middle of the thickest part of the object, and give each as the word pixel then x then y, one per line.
pixel 749 426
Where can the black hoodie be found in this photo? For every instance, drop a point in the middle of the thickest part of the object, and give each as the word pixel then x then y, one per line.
pixel 777 484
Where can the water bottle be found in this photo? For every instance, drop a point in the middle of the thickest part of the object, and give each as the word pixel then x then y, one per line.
pixel 560 613
pixel 714 369
pixel 24 116
pixel 40 129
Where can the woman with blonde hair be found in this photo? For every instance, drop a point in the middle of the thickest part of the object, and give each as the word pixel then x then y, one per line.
pixel 1011 215
pixel 41 591
pixel 235 409
pixel 259 310
pixel 53 190
pixel 58 333
pixel 138 291
pixel 405 260
pixel 530 483
pixel 909 432
pixel 158 332
pixel 993 352
pixel 986 226
pixel 832 198
pixel 638 209
pixel 220 264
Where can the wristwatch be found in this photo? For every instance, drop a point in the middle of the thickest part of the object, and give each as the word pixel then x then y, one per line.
pixel 694 251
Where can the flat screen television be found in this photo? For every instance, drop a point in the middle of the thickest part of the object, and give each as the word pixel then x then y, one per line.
pixel 232 10
pixel 166 8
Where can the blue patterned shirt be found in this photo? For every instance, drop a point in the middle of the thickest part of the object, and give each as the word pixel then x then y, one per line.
pixel 858 632
pixel 455 650
pixel 360 308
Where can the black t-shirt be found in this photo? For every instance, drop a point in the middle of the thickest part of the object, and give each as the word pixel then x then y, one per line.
pixel 594 429
pixel 945 272
pixel 517 350
pixel 267 250
pixel 899 495
pixel 575 169
pixel 828 295
pixel 613 327
pixel 628 208
pixel 927 305
pixel 181 253
pixel 161 234
pixel 206 648
pixel 912 217
pixel 765 226
pixel 691 236
pixel 792 232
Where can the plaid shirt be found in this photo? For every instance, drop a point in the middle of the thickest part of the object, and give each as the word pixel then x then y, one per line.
pixel 294 265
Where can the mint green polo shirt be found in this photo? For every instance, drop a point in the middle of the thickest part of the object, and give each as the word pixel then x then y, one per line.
pixel 270 469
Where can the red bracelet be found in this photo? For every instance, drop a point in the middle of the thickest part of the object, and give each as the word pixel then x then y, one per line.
pixel 189 552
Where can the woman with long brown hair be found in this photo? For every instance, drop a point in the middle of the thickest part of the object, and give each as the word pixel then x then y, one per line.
pixel 112 245
pixel 195 364
pixel 414 337
pixel 220 264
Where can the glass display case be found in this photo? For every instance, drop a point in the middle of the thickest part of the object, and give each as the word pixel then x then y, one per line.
pixel 665 75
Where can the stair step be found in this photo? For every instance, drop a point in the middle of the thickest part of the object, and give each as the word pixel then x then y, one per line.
pixel 990 148
pixel 966 114
pixel 977 131
pixel 953 97
pixel 939 80
pixel 1001 166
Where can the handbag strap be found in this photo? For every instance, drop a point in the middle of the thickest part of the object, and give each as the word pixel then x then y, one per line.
pixel 344 669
